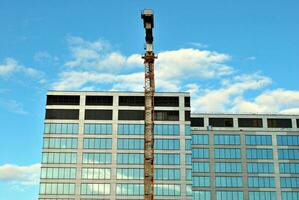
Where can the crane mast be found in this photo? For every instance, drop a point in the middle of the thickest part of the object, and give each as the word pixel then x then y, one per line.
pixel 149 92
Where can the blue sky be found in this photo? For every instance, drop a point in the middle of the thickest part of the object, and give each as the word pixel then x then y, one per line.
pixel 233 56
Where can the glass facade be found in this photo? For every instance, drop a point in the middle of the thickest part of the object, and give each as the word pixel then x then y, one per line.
pixel 250 162
pixel 93 154
pixel 92 158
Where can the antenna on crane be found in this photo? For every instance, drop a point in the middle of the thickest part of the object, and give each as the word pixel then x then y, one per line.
pixel 149 93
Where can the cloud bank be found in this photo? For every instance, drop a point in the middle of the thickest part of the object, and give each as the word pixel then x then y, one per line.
pixel 24 175
pixel 215 85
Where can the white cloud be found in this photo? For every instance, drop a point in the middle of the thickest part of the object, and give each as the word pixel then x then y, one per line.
pixel 73 80
pixel 198 45
pixel 222 99
pixel 13 106
pixel 24 175
pixel 251 58
pixel 42 56
pixel 96 62
pixel 192 63
pixel 272 101
pixel 96 66
pixel 97 55
pixel 10 66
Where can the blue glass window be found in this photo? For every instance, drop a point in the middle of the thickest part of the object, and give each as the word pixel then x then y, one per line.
pixel 228 167
pixel 56 158
pixel 167 159
pixel 290 195
pixel 130 173
pixel 61 128
pixel 288 154
pixel 130 143
pixel 129 189
pixel 287 140
pixel 188 159
pixel 167 174
pixel 201 167
pixel 200 139
pixel 95 189
pixel 258 139
pixel 187 130
pixel 289 182
pixel 260 168
pixel 97 158
pixel 130 129
pixel 228 153
pixel 262 195
pixel 58 173
pixel 229 181
pixel 98 129
pixel 57 188
pixel 289 168
pixel 253 153
pixel 261 182
pixel 167 129
pixel 96 173
pixel 189 190
pixel 97 143
pixel 60 143
pixel 201 153
pixel 167 144
pixel 202 195
pixel 227 139
pixel 188 174
pixel 229 195
pixel 201 181
pixel 188 144
pixel 167 190
pixel 130 158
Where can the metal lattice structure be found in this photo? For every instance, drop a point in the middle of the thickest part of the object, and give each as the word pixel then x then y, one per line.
pixel 149 92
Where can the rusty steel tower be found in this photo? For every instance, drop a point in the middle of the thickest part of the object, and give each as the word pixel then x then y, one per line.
pixel 149 92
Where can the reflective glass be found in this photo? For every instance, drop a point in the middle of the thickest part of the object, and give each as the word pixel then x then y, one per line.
pixel 59 128
pixel 289 182
pixel 201 153
pixel 130 158
pixel 287 140
pixel 226 139
pixel 262 195
pixel 289 168
pixel 60 143
pixel 97 143
pixel 95 189
pixel 229 181
pixel 290 195
pixel 261 182
pixel 201 181
pixel 200 139
pixel 254 153
pixel 288 154
pixel 167 129
pixel 128 189
pixel 229 195
pixel 130 129
pixel 98 129
pixel 202 195
pixel 258 139
pixel 201 167
pixel 228 153
pixel 228 167
pixel 97 158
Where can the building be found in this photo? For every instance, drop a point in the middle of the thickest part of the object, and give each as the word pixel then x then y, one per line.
pixel 93 146
pixel 250 157
pixel 93 149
